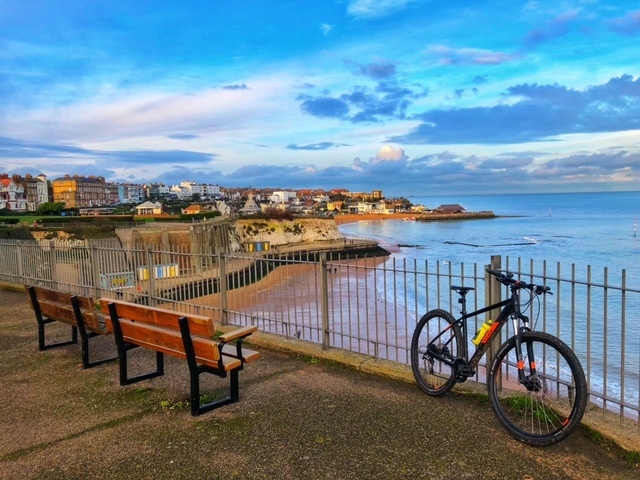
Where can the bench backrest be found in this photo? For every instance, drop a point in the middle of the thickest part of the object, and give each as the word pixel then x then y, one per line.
pixel 199 325
pixel 57 305
pixel 159 329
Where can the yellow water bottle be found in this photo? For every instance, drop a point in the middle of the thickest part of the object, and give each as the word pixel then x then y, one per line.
pixel 482 332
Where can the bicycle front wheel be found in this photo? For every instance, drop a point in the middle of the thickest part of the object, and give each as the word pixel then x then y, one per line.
pixel 434 347
pixel 550 403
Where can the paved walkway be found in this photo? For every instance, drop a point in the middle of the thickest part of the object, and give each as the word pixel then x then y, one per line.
pixel 298 418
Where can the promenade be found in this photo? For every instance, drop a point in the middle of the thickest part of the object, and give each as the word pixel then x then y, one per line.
pixel 299 417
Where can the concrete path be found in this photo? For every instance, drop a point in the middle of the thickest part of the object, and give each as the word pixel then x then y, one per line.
pixel 299 417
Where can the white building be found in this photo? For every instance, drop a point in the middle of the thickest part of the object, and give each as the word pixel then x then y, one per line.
pixel 133 193
pixel 149 208
pixel 12 195
pixel 282 196
pixel 365 207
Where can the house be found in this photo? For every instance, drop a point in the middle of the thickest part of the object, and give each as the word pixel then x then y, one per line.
pixel 149 208
pixel 250 207
pixel 193 209
pixel 12 194
pixel 450 208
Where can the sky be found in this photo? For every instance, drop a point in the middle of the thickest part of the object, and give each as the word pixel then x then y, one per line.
pixel 413 97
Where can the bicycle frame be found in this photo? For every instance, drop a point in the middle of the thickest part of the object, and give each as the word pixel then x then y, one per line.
pixel 510 308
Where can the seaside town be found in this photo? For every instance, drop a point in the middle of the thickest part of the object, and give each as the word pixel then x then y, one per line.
pixel 74 194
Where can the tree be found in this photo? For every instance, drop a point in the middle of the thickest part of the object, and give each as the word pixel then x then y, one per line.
pixel 51 208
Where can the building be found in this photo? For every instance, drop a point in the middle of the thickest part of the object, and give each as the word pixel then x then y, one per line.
pixel 112 193
pixel 78 192
pixel 35 188
pixel 133 193
pixel 193 209
pixel 450 208
pixel 282 196
pixel 12 194
pixel 149 208
pixel 157 190
pixel 250 207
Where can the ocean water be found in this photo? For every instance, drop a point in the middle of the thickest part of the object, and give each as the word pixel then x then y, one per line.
pixel 582 229
pixel 596 229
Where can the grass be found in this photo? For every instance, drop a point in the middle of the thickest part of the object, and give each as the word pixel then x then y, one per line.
pixel 630 457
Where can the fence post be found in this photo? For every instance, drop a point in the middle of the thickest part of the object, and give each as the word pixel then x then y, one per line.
pixel 222 286
pixel 324 302
pixel 151 269
pixel 19 262
pixel 95 271
pixel 53 264
pixel 493 294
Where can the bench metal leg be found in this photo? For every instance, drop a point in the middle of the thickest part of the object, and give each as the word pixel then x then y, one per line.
pixel 124 347
pixel 196 370
pixel 42 343
pixel 196 407
pixel 84 341
pixel 85 336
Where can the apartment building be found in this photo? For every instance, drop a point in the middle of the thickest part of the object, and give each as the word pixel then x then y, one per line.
pixel 77 192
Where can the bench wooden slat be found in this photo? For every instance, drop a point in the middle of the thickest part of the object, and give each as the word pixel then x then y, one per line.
pixel 198 324
pixel 240 332
pixel 170 342
pixel 65 313
pixel 59 312
pixel 247 355
pixel 86 303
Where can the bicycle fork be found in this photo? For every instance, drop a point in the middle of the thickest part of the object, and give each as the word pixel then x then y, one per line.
pixel 530 380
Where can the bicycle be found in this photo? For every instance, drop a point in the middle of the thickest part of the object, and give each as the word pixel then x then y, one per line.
pixel 536 384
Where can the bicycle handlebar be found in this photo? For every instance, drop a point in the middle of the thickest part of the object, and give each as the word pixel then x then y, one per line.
pixel 506 278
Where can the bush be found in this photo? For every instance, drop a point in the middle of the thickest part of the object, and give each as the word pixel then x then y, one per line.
pixel 199 216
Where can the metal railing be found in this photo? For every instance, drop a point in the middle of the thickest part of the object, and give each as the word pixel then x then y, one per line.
pixel 366 305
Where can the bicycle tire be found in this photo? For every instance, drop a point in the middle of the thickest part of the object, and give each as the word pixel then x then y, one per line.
pixel 553 406
pixel 435 377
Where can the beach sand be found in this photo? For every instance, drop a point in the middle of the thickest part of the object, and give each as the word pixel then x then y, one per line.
pixel 350 218
pixel 288 301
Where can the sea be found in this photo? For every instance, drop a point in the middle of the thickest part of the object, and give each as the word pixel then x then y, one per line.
pixel 585 229
pixel 591 231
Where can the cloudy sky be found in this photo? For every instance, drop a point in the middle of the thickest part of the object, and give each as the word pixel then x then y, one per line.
pixel 408 96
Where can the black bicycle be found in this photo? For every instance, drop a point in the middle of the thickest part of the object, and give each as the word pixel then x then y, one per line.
pixel 536 384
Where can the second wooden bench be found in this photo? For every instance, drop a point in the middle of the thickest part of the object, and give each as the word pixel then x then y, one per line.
pixel 77 311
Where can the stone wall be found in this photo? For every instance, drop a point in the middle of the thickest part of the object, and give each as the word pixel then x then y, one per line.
pixel 227 235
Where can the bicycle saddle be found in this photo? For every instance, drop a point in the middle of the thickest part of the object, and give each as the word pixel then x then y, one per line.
pixel 461 290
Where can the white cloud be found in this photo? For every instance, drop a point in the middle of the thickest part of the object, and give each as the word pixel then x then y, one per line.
pixel 142 113
pixel 325 28
pixel 375 8
pixel 389 154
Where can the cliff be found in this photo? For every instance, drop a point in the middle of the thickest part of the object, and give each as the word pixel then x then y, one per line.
pixel 285 232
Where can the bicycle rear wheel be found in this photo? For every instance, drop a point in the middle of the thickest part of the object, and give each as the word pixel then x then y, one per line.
pixel 551 403
pixel 436 337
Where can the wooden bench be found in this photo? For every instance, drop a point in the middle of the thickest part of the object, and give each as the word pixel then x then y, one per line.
pixel 181 335
pixel 75 310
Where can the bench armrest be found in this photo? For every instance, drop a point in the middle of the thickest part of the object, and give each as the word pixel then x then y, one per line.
pixel 239 333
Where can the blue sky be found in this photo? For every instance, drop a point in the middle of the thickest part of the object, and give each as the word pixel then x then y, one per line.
pixel 414 97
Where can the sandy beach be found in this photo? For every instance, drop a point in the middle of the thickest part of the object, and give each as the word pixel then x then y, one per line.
pixel 355 217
